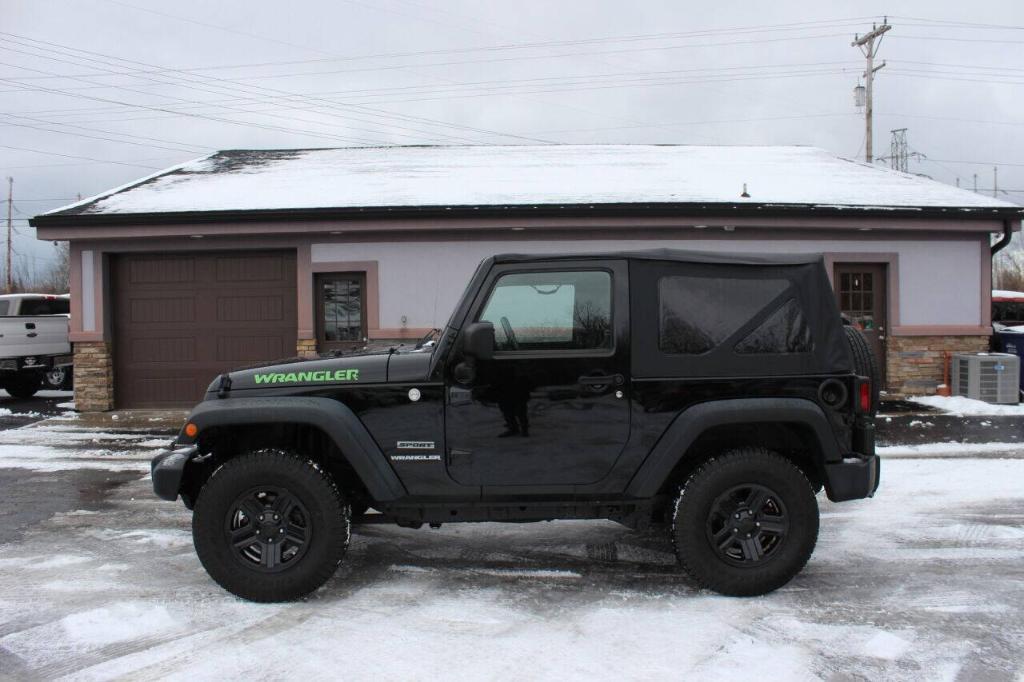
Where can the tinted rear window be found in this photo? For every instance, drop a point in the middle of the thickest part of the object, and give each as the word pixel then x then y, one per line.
pixel 785 331
pixel 696 314
pixel 42 306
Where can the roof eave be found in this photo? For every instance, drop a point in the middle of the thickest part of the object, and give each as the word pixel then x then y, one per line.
pixel 545 210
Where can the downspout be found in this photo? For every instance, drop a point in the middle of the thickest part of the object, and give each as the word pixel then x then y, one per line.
pixel 1004 241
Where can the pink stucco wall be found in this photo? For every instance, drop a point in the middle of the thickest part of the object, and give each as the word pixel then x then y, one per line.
pixel 939 270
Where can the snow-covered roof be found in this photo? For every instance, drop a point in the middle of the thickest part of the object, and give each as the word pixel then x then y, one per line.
pixel 1004 295
pixel 552 175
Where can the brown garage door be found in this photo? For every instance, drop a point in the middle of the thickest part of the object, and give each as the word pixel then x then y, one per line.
pixel 181 319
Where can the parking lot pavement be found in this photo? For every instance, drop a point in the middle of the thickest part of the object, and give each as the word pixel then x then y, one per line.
pixel 926 581
pixel 15 412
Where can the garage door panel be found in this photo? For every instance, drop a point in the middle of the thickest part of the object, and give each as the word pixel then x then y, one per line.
pixel 161 269
pixel 153 309
pixel 179 320
pixel 249 348
pixel 164 391
pixel 259 308
pixel 163 350
pixel 267 268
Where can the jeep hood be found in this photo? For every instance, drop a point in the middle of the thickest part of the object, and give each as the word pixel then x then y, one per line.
pixel 344 370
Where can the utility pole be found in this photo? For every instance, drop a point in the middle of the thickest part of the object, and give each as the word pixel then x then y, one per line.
pixel 869 44
pixel 10 207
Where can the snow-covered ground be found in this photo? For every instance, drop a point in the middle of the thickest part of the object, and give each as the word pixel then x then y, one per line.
pixel 966 407
pixel 926 581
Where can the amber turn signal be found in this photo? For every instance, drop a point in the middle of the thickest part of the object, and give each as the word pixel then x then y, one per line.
pixel 191 430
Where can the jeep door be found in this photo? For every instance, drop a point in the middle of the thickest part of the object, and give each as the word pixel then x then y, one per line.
pixel 551 408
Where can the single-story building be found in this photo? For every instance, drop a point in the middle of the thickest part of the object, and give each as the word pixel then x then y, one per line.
pixel 245 256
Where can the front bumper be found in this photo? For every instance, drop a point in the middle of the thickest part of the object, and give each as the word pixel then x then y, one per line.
pixel 168 468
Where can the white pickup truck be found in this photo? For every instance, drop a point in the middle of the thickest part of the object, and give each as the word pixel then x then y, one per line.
pixel 34 348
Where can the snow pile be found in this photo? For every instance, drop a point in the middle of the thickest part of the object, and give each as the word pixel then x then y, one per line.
pixel 50 447
pixel 525 175
pixel 966 407
pixel 946 450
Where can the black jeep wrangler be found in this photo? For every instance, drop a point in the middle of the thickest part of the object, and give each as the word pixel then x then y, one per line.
pixel 710 394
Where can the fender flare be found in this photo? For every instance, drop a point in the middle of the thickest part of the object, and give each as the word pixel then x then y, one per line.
pixel 686 428
pixel 335 419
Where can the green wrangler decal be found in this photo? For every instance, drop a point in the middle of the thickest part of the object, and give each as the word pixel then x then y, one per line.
pixel 305 377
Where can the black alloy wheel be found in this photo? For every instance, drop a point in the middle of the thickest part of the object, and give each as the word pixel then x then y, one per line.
pixel 747 524
pixel 270 525
pixel 268 528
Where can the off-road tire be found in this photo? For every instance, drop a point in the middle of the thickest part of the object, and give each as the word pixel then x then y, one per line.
pixel 693 506
pixel 865 363
pixel 23 386
pixel 329 521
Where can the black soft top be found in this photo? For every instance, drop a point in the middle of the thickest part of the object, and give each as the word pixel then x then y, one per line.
pixel 676 255
pixel 809 286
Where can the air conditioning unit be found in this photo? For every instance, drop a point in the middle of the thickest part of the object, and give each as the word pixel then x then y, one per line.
pixel 992 377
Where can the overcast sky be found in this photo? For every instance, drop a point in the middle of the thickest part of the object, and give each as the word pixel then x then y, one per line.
pixel 97 93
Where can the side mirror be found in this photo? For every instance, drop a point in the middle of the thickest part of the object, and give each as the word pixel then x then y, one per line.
pixel 478 340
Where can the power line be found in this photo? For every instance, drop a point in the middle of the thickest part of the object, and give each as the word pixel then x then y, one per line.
pixel 234 85
pixel 978 163
pixel 792 26
pixel 963 24
pixel 72 156
pixel 94 137
pixel 551 84
pixel 85 163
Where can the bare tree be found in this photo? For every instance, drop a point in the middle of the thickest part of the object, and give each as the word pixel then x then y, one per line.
pixel 1009 270
pixel 54 278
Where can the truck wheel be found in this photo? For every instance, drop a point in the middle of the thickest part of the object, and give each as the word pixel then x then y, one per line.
pixel 58 379
pixel 23 386
pixel 270 526
pixel 865 363
pixel 745 523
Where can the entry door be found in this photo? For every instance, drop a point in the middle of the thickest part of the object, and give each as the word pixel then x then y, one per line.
pixel 861 293
pixel 341 310
pixel 552 406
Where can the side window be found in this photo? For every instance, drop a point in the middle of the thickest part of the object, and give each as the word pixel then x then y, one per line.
pixel 696 314
pixel 538 311
pixel 785 331
pixel 5 308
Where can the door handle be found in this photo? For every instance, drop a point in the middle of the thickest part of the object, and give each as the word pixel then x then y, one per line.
pixel 30 325
pixel 32 335
pixel 602 380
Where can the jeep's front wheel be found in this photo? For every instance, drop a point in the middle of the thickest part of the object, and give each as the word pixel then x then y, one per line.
pixel 270 526
pixel 745 523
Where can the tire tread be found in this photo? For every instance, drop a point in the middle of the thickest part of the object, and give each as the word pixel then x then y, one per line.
pixel 754 455
pixel 276 587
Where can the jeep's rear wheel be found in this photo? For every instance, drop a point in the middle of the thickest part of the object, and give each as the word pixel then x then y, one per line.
pixel 270 526
pixel 745 523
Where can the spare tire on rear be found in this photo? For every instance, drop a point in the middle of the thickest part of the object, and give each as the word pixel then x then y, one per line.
pixel 865 363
